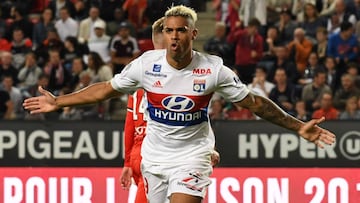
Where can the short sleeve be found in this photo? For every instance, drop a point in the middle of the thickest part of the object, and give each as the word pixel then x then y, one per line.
pixel 130 79
pixel 230 86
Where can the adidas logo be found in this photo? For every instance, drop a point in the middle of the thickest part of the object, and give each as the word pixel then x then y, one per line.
pixel 157 84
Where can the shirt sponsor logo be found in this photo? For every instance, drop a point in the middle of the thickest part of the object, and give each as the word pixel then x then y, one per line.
pixel 178 103
pixel 199 85
pixel 156 68
pixel 202 71
pixel 155 74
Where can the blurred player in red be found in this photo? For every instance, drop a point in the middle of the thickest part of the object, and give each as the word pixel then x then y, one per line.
pixel 135 125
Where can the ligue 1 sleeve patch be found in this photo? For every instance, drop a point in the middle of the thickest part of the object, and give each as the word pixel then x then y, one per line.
pixel 199 85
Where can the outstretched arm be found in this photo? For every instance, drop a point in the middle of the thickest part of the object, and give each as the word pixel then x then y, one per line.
pixel 268 110
pixel 47 102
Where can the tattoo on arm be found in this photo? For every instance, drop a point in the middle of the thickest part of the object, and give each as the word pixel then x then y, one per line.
pixel 268 110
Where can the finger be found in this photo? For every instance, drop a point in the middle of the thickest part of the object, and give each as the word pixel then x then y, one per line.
pixel 31 107
pixel 41 90
pixel 317 121
pixel 327 138
pixel 318 143
pixel 32 99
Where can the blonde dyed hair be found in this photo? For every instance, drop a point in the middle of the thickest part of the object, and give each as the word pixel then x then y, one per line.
pixel 182 11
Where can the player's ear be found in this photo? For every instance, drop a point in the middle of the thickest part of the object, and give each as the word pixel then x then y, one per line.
pixel 194 33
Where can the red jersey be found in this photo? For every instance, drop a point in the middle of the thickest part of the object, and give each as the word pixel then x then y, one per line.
pixel 135 125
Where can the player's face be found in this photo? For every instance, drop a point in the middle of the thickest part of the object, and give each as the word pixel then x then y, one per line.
pixel 178 36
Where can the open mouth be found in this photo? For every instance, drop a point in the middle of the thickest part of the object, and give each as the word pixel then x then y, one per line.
pixel 174 46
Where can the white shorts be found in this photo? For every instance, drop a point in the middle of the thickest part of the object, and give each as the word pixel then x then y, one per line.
pixel 161 181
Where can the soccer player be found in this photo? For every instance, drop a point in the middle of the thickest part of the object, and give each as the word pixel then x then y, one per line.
pixel 135 125
pixel 178 83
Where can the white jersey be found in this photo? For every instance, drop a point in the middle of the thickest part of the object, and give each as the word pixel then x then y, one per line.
pixel 178 100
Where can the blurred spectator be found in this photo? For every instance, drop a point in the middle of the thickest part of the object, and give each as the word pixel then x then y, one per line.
pixel 333 25
pixel 86 29
pixel 300 49
pixel 328 7
pixel 99 71
pixel 108 8
pixel 56 5
pixel 353 69
pixel 123 47
pixel 259 84
pixel 346 90
pixel 313 64
pixel 136 10
pixel 52 41
pixel 41 28
pixel 81 11
pixel 311 93
pixel 20 46
pixel 286 26
pixel 6 105
pixel 218 45
pixel 297 9
pixel 112 27
pixel 6 67
pixel 273 8
pixel 7 84
pixel 272 41
pixel 239 113
pixel 29 74
pixel 321 43
pixel 77 67
pixel 311 21
pixel 332 73
pixel 282 61
pixel 59 77
pixel 351 111
pixel 42 81
pixel 250 9
pixel 227 12
pixel 217 111
pixel 100 42
pixel 283 94
pixel 72 50
pixel 20 21
pixel 248 49
pixel 326 108
pixel 343 46
pixel 341 14
pixel 300 111
pixel 66 26
pixel 356 8
pixel 4 44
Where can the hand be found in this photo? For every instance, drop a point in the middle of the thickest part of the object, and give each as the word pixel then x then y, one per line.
pixel 125 178
pixel 215 158
pixel 41 104
pixel 312 132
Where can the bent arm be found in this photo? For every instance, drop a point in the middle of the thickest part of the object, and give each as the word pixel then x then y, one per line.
pixel 268 110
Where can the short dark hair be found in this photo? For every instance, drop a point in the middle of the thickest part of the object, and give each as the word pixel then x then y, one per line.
pixel 254 22
pixel 346 25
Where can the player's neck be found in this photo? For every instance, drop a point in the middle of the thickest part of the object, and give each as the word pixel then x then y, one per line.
pixel 179 62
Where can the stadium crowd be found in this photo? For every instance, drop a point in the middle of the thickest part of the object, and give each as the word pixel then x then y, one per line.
pixel 303 55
